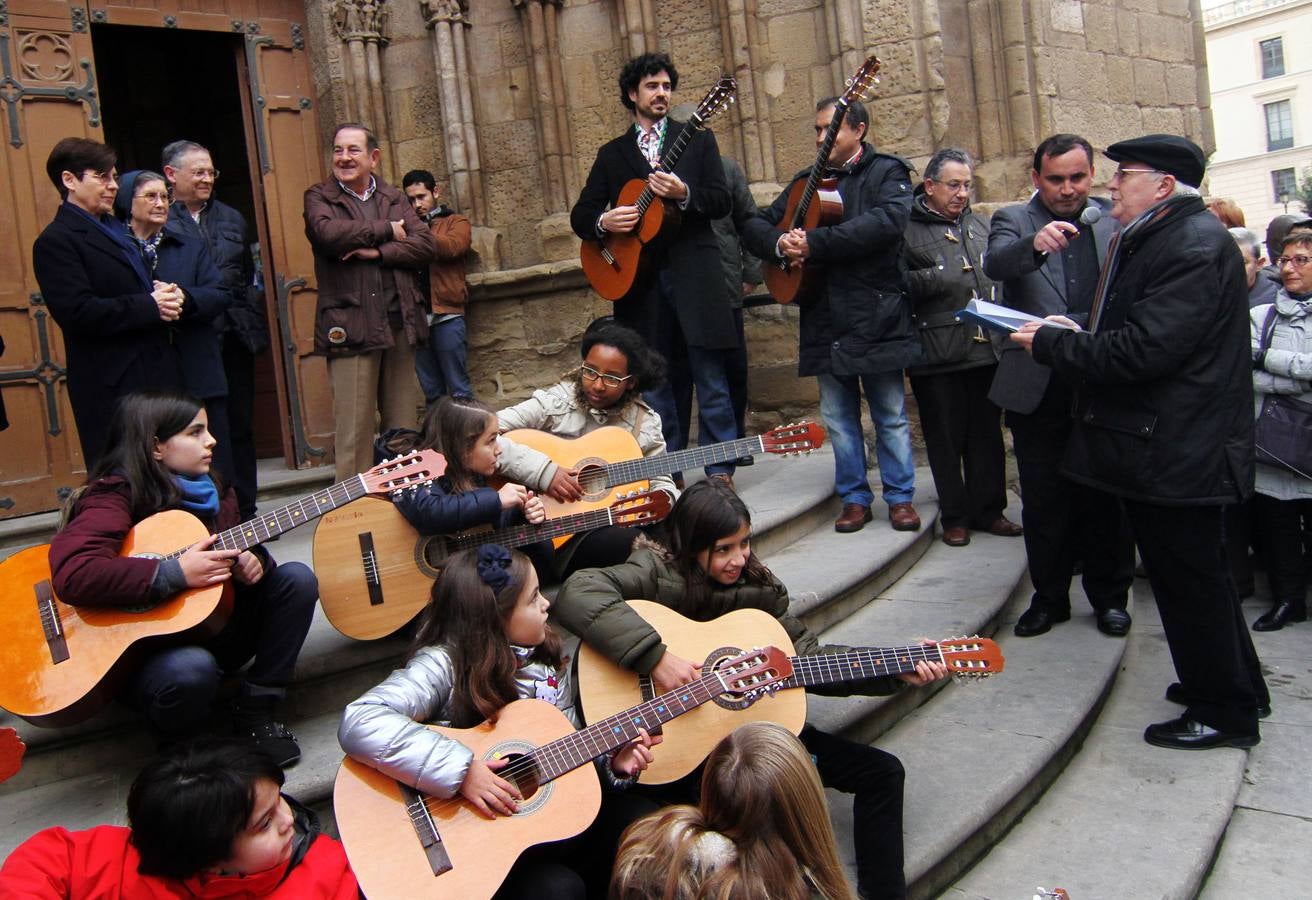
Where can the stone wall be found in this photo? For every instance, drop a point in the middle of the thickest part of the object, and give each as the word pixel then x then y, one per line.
pixel 992 76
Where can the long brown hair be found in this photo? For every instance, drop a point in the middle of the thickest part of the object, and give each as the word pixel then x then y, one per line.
pixel 760 829
pixel 706 512
pixel 452 427
pixel 467 617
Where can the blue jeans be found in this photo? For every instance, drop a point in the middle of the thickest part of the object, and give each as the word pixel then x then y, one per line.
pixel 441 362
pixel 840 407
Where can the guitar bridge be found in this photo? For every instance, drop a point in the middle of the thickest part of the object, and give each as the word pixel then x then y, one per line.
pixel 51 622
pixel 369 559
pixel 438 859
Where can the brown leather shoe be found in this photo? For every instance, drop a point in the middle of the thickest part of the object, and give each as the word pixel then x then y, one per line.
pixel 1004 527
pixel 956 535
pixel 853 518
pixel 725 479
pixel 904 517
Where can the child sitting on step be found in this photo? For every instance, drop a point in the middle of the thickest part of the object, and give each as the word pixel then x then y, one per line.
pixel 207 820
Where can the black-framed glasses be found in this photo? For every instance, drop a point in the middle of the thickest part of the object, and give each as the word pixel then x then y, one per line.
pixel 611 381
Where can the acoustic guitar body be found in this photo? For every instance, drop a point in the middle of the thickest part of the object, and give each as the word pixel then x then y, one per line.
pixel 606 688
pixel 384 845
pixel 589 453
pixel 61 664
pixel 789 284
pixel 619 261
pixel 375 570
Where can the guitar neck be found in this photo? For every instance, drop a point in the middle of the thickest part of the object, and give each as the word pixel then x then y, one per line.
pixel 669 159
pixel 570 752
pixel 270 525
pixel 631 470
pixel 821 160
pixel 521 535
pixel 858 664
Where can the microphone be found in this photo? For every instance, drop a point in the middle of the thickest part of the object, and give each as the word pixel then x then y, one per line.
pixel 1091 215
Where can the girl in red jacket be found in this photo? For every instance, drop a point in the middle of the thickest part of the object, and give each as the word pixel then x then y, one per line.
pixel 160 459
pixel 206 821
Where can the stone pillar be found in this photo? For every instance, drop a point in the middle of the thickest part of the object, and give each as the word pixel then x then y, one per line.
pixel 638 33
pixel 846 40
pixel 362 26
pixel 756 148
pixel 557 161
pixel 448 21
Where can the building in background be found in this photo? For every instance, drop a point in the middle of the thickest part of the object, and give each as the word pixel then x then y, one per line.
pixel 1260 67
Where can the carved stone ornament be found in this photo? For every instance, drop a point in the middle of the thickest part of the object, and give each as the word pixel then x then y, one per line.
pixel 453 11
pixel 360 20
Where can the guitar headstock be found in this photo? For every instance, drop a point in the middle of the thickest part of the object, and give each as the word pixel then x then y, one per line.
pixel 755 673
pixel 971 657
pixel 640 507
pixel 405 472
pixel 863 81
pixel 801 437
pixel 717 98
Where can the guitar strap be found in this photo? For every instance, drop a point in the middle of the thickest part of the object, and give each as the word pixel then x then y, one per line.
pixel 637 423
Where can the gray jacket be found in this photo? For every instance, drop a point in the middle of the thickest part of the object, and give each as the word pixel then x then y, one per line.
pixel 385 728
pixel 1286 369
pixel 1032 283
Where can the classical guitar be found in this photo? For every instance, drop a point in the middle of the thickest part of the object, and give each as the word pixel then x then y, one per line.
pixel 614 263
pixel 375 570
pixel 605 687
pixel 815 202
pixel 60 664
pixel 404 844
pixel 609 458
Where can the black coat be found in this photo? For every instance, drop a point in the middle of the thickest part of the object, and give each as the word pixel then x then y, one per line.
pixel 861 323
pixel 226 235
pixel 691 256
pixel 114 339
pixel 184 260
pixel 1164 397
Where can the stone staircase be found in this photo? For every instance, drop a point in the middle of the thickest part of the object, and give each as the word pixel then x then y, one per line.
pixel 1036 776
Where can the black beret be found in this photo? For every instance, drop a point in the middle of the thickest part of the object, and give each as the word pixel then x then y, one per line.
pixel 1167 153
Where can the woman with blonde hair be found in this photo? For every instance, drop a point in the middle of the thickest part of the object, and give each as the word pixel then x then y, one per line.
pixel 761 830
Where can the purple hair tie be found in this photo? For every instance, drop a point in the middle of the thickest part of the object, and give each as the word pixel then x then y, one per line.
pixel 494 566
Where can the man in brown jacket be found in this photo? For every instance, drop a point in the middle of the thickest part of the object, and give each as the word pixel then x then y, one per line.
pixel 442 363
pixel 370 316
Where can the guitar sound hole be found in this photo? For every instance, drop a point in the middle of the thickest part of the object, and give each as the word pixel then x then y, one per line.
pixel 714 660
pixel 525 776
pixel 431 555
pixel 592 478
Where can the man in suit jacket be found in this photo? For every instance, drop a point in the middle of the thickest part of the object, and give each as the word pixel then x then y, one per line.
pixel 1048 262
pixel 114 318
pixel 673 309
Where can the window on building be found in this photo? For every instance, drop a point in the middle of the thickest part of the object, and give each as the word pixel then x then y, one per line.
pixel 1283 187
pixel 1279 125
pixel 1273 57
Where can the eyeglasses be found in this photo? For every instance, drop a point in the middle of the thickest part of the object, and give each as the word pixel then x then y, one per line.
pixel 611 381
pixel 102 177
pixel 1121 172
pixel 154 197
pixel 956 186
pixel 1298 262
pixel 202 173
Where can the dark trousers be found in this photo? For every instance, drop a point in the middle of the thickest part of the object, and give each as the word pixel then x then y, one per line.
pixel 1183 550
pixel 597 549
pixel 1281 524
pixel 963 440
pixel 735 371
pixel 239 367
pixel 270 619
pixel 1064 521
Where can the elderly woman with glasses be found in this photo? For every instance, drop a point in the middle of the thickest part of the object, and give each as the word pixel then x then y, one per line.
pixel 1282 367
pixel 606 389
pixel 177 259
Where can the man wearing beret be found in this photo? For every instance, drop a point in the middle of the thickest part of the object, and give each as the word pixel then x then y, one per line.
pixel 1164 420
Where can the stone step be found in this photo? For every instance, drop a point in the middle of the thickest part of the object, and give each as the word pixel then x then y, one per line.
pixel 1169 810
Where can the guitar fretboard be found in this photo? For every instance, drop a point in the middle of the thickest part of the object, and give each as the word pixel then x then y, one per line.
pixel 520 535
pixel 859 663
pixel 631 470
pixel 669 160
pixel 263 527
pixel 821 160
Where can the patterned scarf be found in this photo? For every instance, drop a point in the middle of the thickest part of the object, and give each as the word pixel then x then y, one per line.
pixel 149 249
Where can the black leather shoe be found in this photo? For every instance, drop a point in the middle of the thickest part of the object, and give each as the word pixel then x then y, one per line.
pixel 1186 734
pixel 1175 694
pixel 1280 615
pixel 1035 621
pixel 1115 622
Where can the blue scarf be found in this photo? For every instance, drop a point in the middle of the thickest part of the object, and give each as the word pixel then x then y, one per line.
pixel 199 494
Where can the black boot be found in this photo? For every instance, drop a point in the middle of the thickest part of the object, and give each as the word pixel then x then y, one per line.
pixel 253 717
pixel 1280 615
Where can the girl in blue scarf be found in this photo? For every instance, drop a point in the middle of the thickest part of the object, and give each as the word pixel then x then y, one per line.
pixel 160 459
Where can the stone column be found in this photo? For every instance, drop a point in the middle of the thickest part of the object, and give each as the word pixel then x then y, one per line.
pixel 846 40
pixel 756 148
pixel 448 21
pixel 638 33
pixel 543 43
pixel 362 26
